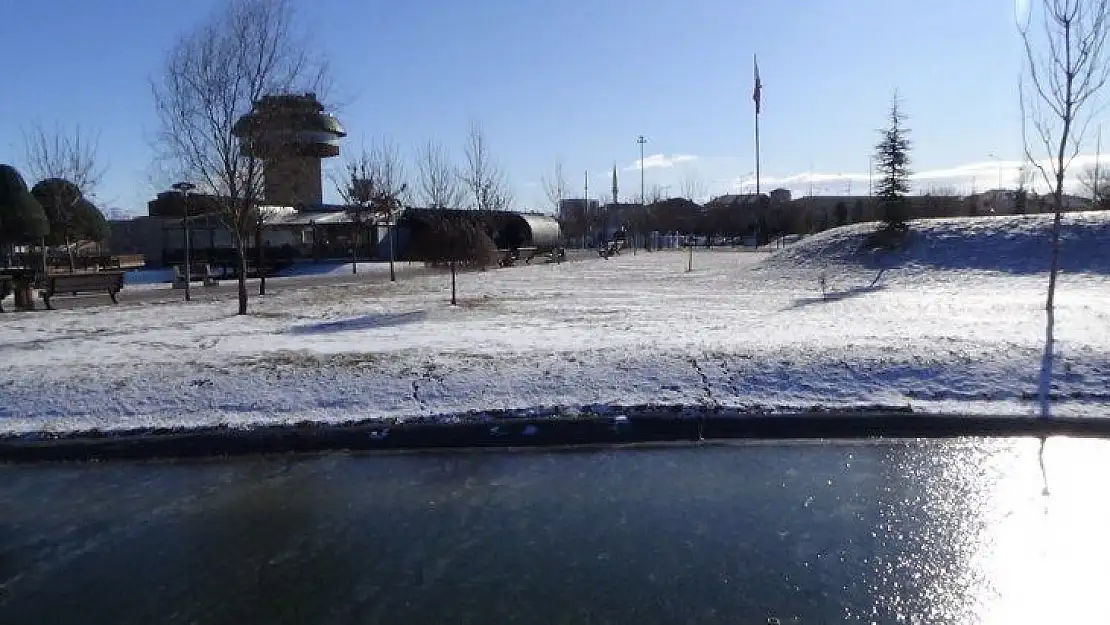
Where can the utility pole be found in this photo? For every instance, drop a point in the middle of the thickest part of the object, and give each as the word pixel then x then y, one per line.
pixel 586 200
pixel 643 190
pixel 643 195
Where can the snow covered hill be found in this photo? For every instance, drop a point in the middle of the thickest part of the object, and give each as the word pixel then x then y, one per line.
pixel 954 324
pixel 1013 244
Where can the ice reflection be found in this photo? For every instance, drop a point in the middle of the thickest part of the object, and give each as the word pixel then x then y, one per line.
pixel 968 534
pixel 1046 556
pixel 946 531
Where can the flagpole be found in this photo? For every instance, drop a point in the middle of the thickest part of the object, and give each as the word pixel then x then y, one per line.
pixel 757 154
pixel 758 96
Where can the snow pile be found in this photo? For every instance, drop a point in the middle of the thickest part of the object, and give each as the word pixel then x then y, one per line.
pixel 1013 244
pixel 744 331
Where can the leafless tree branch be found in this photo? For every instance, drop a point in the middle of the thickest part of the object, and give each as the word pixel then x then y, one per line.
pixel 482 176
pixel 437 185
pixel 72 155
pixel 555 186
pixel 692 186
pixel 388 167
pixel 213 76
pixel 1067 69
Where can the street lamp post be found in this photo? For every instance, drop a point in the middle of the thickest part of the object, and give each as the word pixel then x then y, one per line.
pixel 184 188
pixel 643 194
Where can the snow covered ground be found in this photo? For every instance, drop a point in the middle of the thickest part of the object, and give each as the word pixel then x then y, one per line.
pixel 953 323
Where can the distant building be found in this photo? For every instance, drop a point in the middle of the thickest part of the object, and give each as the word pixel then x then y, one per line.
pixel 621 217
pixel 582 219
pixel 1009 202
pixel 577 208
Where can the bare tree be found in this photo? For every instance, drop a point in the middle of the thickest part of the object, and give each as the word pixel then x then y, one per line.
pixel 692 186
pixel 212 77
pixel 555 186
pixel 1095 182
pixel 437 185
pixel 72 155
pixel 388 168
pixel 1065 68
pixel 1022 193
pixel 482 176
pixel 59 156
pixel 358 188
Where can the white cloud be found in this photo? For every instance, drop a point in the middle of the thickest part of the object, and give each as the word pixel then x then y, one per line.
pixel 963 178
pixel 657 161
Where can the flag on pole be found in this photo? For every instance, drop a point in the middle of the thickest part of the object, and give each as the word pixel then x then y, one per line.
pixel 757 93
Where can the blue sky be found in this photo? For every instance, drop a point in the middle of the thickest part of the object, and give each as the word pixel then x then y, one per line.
pixel 576 80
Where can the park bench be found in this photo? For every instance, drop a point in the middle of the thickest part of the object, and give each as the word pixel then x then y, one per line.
pixel 611 249
pixel 556 255
pixel 6 288
pixel 509 257
pixel 76 283
pixel 197 273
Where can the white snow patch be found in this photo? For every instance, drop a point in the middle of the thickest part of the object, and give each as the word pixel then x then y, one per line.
pixel 634 330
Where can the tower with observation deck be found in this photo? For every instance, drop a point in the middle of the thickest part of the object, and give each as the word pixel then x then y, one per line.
pixel 292 135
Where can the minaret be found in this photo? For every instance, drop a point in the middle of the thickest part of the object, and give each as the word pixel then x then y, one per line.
pixel 615 196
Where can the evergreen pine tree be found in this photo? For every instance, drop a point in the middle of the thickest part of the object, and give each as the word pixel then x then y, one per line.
pixel 892 159
pixel 22 219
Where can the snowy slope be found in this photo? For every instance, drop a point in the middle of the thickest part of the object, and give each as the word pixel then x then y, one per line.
pixel 744 331
pixel 1013 244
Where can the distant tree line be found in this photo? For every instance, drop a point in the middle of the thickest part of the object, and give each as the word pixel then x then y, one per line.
pixel 751 216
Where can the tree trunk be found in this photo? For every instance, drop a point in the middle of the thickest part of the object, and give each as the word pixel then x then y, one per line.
pixel 259 266
pixel 354 251
pixel 390 232
pixel 690 255
pixel 72 260
pixel 1045 386
pixel 453 301
pixel 241 258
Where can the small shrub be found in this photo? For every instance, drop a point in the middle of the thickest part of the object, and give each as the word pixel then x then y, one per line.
pixel 888 238
pixel 461 240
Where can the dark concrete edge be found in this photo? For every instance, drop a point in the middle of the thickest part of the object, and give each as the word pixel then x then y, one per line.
pixel 617 427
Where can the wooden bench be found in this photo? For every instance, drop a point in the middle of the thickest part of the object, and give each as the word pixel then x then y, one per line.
pixel 75 283
pixel 197 273
pixel 611 249
pixel 556 255
pixel 6 288
pixel 507 258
